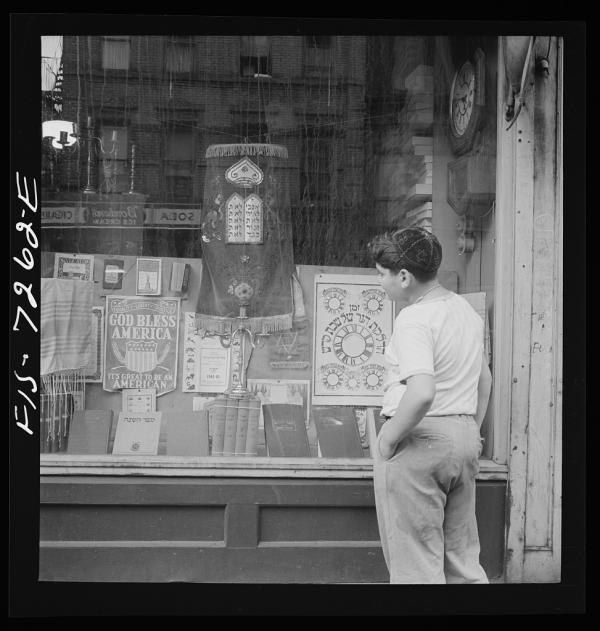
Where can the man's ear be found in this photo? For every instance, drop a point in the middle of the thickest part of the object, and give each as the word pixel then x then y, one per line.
pixel 404 277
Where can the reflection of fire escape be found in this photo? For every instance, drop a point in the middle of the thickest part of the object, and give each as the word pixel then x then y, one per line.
pixel 52 102
pixel 54 97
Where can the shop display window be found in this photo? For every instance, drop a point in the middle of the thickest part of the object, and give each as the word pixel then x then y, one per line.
pixel 207 293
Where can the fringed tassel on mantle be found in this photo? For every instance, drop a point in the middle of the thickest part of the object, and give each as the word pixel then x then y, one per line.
pixel 62 392
pixel 223 325
pixel 246 149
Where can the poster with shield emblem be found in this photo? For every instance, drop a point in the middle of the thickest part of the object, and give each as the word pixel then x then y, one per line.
pixel 141 343
pixel 353 324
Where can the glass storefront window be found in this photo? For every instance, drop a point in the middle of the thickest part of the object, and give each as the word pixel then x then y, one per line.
pixel 207 289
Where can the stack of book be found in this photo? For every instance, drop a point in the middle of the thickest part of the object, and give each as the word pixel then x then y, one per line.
pixel 419 153
pixel 419 100
pixel 419 216
pixel 233 425
pixel 420 80
pixel 421 168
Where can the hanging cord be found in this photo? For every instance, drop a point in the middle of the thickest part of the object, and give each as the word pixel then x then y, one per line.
pixel 125 99
pixel 259 111
pixel 268 101
pixel 520 96
pixel 78 114
pixel 248 104
pixel 90 95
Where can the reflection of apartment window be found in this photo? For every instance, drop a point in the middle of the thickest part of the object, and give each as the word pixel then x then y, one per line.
pixel 317 53
pixel 113 173
pixel 255 55
pixel 315 175
pixel 179 55
pixel 318 41
pixel 115 52
pixel 179 158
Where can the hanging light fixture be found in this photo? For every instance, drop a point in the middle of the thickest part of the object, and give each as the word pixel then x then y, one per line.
pixel 61 134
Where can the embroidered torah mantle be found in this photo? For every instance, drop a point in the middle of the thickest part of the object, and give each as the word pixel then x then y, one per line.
pixel 247 249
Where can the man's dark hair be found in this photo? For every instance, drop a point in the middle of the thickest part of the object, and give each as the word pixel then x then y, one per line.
pixel 414 249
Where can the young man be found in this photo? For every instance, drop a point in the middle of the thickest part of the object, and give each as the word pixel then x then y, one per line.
pixel 435 397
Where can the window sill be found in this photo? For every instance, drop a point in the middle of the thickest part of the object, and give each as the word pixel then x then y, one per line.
pixel 210 467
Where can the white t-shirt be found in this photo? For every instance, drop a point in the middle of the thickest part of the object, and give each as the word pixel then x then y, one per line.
pixel 442 337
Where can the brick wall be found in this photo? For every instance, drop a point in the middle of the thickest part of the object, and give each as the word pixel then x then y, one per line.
pixel 145 97
pixel 215 100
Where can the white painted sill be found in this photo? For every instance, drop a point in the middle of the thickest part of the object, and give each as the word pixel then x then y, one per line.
pixel 224 467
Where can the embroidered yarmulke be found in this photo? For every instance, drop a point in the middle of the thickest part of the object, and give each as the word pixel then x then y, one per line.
pixel 420 248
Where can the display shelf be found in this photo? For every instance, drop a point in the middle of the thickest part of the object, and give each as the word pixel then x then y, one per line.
pixel 239 466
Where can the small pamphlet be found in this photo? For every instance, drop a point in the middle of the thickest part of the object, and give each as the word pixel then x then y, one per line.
pixel 180 276
pixel 113 273
pixel 149 277
pixel 74 266
pixel 137 433
pixel 139 400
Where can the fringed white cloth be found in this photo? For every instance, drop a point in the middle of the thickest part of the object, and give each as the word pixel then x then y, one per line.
pixel 61 394
pixel 65 324
pixel 225 325
pixel 246 149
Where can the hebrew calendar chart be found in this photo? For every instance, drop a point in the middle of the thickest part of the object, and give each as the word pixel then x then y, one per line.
pixel 353 323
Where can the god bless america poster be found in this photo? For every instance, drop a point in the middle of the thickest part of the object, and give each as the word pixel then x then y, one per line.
pixel 141 343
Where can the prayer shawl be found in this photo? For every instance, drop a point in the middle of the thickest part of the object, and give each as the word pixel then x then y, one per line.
pixel 65 325
pixel 247 250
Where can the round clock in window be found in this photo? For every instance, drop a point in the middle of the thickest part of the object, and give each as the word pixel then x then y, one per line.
pixel 467 102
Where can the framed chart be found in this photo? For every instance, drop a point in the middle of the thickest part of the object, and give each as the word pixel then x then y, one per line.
pixel 353 323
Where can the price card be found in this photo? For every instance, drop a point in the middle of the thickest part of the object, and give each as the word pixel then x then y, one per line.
pixel 149 274
pixel 139 400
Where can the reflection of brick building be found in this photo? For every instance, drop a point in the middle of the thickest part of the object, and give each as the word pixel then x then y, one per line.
pixel 171 97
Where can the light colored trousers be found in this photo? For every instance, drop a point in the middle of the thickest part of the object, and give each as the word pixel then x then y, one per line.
pixel 425 501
